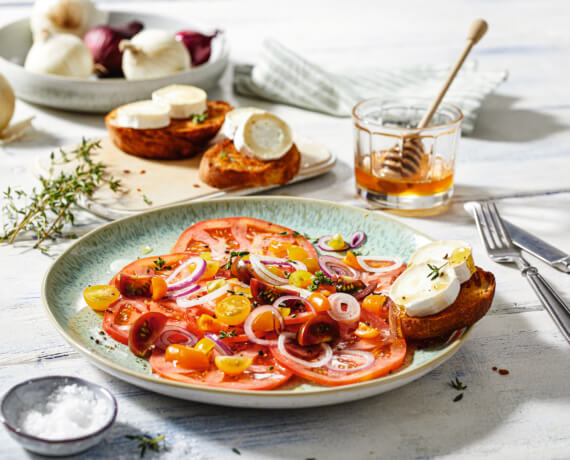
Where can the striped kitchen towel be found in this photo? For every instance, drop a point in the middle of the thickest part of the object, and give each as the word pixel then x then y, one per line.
pixel 283 76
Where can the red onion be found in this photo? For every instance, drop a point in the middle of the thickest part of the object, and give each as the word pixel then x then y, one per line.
pixel 201 300
pixel 357 239
pixel 302 292
pixel 258 265
pixel 326 355
pixel 396 263
pixel 183 292
pixel 170 335
pixel 323 244
pixel 103 42
pixel 364 292
pixel 190 279
pixel 338 313
pixel 248 325
pixel 199 45
pixel 332 266
pixel 335 364
pixel 219 345
pixel 286 298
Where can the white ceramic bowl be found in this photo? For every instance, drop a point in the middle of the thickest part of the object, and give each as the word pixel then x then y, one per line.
pixel 100 95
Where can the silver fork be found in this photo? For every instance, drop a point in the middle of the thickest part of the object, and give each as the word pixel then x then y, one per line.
pixel 501 249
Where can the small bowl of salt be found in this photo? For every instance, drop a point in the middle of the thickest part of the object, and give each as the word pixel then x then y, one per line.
pixel 58 415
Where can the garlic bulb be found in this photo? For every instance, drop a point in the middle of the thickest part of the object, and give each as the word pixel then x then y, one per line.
pixel 65 16
pixel 60 54
pixel 7 103
pixel 153 53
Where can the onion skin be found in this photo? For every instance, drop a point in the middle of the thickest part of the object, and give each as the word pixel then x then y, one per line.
pixel 103 43
pixel 198 45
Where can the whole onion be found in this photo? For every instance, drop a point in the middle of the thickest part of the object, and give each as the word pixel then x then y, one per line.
pixel 103 42
pixel 199 45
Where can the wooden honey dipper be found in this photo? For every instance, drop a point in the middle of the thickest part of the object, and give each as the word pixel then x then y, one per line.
pixel 405 161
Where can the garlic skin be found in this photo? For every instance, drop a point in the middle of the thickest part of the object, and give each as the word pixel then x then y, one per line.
pixel 7 103
pixel 61 54
pixel 153 53
pixel 65 16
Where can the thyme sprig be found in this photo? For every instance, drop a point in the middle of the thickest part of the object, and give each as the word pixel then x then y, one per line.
pixel 160 264
pixel 200 117
pixel 457 384
pixel 146 441
pixel 320 279
pixel 47 209
pixel 233 254
pixel 435 271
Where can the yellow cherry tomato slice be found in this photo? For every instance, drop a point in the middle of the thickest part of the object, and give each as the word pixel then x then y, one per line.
pixel 278 248
pixel 312 264
pixel 205 345
pixel 301 278
pixel 319 301
pixel 158 287
pixel 101 296
pixel 265 322
pixel 295 252
pixel 233 365
pixel 336 242
pixel 208 323
pixel 364 331
pixel 187 357
pixel 374 303
pixel 351 260
pixel 233 310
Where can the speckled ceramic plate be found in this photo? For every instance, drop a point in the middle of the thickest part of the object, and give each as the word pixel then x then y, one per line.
pixel 93 260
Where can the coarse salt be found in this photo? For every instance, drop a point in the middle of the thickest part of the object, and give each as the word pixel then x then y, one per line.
pixel 70 411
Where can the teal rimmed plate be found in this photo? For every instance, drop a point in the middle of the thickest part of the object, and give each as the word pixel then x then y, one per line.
pixel 98 255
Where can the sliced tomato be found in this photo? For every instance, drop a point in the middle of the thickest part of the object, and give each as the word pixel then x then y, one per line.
pixel 147 266
pixel 264 374
pixel 390 352
pixel 144 331
pixel 222 236
pixel 120 316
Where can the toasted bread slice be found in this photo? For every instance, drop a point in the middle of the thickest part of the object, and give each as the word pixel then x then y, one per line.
pixel 222 166
pixel 473 301
pixel 180 139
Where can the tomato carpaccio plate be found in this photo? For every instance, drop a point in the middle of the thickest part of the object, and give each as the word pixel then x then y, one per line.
pixel 246 304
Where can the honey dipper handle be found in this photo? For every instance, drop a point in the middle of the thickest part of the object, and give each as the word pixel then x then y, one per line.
pixel 476 32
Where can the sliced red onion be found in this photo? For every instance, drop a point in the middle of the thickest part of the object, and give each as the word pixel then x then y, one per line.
pixel 364 292
pixel 302 292
pixel 332 266
pixel 346 315
pixel 297 298
pixel 326 355
pixel 280 263
pixel 357 239
pixel 200 300
pixel 170 331
pixel 396 263
pixel 248 325
pixel 220 346
pixel 336 365
pixel 298 265
pixel 258 265
pixel 323 244
pixel 183 292
pixel 196 274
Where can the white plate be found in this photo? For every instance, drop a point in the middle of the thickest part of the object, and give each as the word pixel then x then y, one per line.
pixel 100 95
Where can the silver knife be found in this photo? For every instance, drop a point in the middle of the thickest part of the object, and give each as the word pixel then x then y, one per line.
pixel 538 248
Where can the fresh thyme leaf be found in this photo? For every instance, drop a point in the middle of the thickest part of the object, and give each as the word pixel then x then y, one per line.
pixel 159 264
pixel 49 207
pixel 225 335
pixel 283 233
pixel 200 118
pixel 231 291
pixel 147 441
pixel 458 385
pixel 320 279
pixel 233 254
pixel 225 156
pixel 356 253
pixel 435 271
pixel 147 200
pixel 235 450
pixel 295 234
pixel 459 397
pixel 270 368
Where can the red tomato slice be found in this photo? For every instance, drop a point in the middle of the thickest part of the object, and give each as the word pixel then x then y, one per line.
pixel 221 236
pixel 147 266
pixel 120 316
pixel 263 374
pixel 144 331
pixel 389 350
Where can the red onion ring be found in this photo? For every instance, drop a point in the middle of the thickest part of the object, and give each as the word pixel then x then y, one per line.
pixel 332 266
pixel 183 292
pixel 302 292
pixel 323 244
pixel 357 239
pixel 248 324
pixel 190 279
pixel 368 357
pixel 336 312
pixel 396 263
pixel 258 265
pixel 170 330
pixel 285 298
pixel 364 292
pixel 220 346
pixel 201 300
pixel 327 352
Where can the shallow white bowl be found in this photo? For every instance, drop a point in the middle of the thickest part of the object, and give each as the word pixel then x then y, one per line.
pixel 100 95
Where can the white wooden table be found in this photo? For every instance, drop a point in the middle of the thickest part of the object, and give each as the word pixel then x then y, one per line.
pixel 521 143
